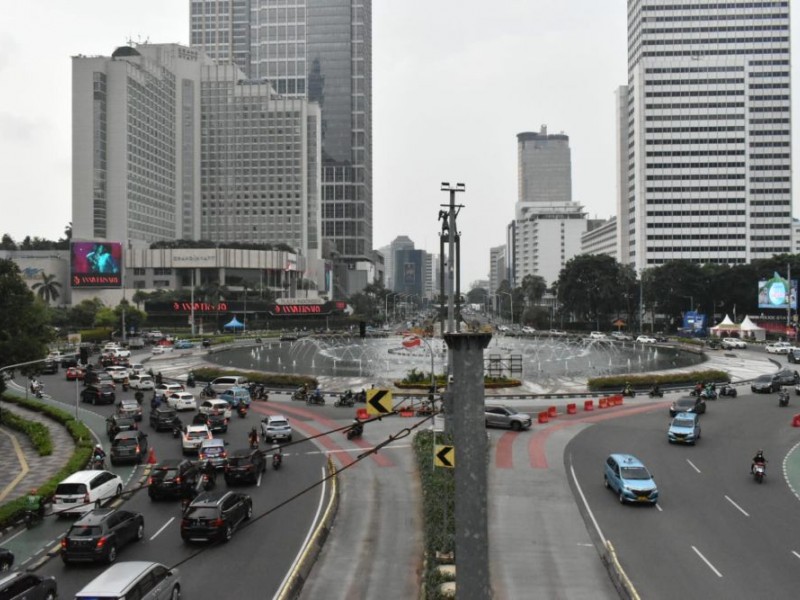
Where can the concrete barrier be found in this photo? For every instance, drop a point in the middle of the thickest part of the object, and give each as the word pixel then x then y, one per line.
pixel 552 412
pixel 588 405
pixel 602 403
pixel 572 408
pixel 543 417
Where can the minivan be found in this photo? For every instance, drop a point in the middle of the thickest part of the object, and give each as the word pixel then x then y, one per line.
pixel 85 490
pixel 134 579
pixel 213 451
pixel 235 396
pixel 221 384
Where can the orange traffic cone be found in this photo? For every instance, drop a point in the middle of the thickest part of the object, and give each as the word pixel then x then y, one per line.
pixel 151 457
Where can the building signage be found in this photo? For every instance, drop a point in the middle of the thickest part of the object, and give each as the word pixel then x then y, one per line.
pixel 184 307
pixel 96 264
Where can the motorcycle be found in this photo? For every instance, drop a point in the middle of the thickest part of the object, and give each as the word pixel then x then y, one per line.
pixel 33 517
pixel 207 480
pixel 728 390
pixel 98 463
pixel 300 394
pixel 356 431
pixel 241 410
pixel 708 394
pixel 759 471
pixel 628 391
pixel 277 459
pixel 315 399
pixel 783 398
pixel 37 389
pixel 208 392
pixel 345 399
pixel 190 382
pixel 656 393
pixel 361 397
pixel 258 392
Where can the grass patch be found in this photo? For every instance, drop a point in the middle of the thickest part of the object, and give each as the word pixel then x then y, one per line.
pixel 37 433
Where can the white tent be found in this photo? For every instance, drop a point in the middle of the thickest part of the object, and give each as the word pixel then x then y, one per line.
pixel 752 331
pixel 725 327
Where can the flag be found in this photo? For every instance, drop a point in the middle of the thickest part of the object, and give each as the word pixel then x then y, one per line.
pixel 411 341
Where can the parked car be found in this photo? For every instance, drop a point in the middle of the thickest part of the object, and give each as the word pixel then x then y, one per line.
pixel 778 348
pixel 141 382
pixel 528 330
pixel 688 404
pixel 128 446
pixel 128 407
pixel 117 423
pixel 245 464
pixel 173 478
pixel 598 335
pixel 730 343
pixel 24 585
pixel 134 579
pixel 765 383
pixel 99 394
pixel 212 405
pixel 215 515
pixel 193 436
pixel 276 427
pixel 684 429
pixel 646 339
pixel 504 416
pixel 100 534
pixel 182 401
pixel 629 478
pixel 85 490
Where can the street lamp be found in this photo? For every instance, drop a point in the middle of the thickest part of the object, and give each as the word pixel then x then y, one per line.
pixel 386 305
pixel 512 304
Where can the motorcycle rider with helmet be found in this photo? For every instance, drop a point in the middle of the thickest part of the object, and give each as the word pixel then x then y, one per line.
pixel 758 459
pixel 99 455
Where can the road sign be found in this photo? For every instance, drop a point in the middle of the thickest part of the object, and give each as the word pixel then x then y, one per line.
pixel 444 456
pixel 379 402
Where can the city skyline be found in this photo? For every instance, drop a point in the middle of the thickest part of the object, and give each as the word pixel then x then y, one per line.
pixel 488 77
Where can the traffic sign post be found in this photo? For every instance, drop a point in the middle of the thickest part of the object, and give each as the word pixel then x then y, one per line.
pixel 379 402
pixel 444 456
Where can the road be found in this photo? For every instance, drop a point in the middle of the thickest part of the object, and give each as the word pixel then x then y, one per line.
pixel 716 533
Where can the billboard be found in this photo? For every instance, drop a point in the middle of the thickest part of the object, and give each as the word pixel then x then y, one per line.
pixel 774 293
pixel 694 322
pixel 96 264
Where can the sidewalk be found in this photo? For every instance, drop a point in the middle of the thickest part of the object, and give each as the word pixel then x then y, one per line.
pixel 22 469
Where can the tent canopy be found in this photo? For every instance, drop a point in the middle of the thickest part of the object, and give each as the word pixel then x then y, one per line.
pixel 748 325
pixel 234 323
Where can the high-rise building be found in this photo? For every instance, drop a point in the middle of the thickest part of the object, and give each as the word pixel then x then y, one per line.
pixel 705 136
pixel 544 167
pixel 497 267
pixel 320 50
pixel 401 242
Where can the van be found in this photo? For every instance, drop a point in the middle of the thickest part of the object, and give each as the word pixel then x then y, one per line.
pixel 213 451
pixel 85 490
pixel 134 579
pixel 222 384
pixel 235 396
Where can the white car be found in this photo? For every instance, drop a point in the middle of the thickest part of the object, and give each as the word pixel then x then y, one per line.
pixel 733 343
pixel 778 348
pixel 276 427
pixel 557 333
pixel 598 335
pixel 118 374
pixel 85 490
pixel 157 350
pixel 193 436
pixel 136 368
pixel 528 330
pixel 621 337
pixel 211 405
pixel 646 339
pixel 182 401
pixel 121 353
pixel 141 382
pixel 165 389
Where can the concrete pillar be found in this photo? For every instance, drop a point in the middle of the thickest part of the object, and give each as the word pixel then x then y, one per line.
pixel 469 438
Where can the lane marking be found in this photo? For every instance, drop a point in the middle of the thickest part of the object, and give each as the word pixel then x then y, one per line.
pixel 796 554
pixel 163 527
pixel 258 482
pixel 585 502
pixel 691 464
pixel 743 511
pixel 658 507
pixel 705 560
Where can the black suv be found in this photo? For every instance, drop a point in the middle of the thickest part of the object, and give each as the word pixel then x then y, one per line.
pixel 116 423
pixel 173 478
pixel 216 422
pixel 50 367
pixel 245 465
pixel 100 533
pixel 787 377
pixel 215 515
pixel 128 446
pixel 163 417
pixel 27 585
pixel 99 394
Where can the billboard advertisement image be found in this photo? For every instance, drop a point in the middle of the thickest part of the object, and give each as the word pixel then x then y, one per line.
pixel 774 293
pixel 96 264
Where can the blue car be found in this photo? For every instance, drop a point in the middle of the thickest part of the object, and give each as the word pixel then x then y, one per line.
pixel 183 345
pixel 627 476
pixel 684 429
pixel 235 395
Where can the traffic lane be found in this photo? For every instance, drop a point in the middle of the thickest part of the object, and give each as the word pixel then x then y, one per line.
pixel 272 540
pixel 694 507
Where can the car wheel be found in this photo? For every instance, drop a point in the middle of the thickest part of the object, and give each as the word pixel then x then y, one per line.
pixel 621 498
pixel 112 554
pixel 249 512
pixel 176 593
pixel 605 481
pixel 228 533
pixel 118 492
pixel 140 532
pixel 51 595
pixel 515 426
pixel 5 565
pixel 98 504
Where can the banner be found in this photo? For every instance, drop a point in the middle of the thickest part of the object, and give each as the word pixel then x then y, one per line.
pixel 96 264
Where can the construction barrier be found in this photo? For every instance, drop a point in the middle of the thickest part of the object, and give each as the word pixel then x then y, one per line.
pixel 151 457
pixel 588 405
pixel 619 401
pixel 406 412
pixel 602 403
pixel 543 417
pixel 796 421
pixel 362 414
pixel 572 408
pixel 552 412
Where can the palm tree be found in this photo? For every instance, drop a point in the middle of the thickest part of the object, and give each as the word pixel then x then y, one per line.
pixel 47 288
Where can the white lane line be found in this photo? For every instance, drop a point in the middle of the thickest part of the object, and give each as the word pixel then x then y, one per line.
pixel 691 464
pixel 586 503
pixel 705 560
pixel 743 511
pixel 163 527
pixel 796 554
pixel 258 483
pixel 658 506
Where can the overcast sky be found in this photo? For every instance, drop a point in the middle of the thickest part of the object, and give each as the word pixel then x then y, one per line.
pixel 454 82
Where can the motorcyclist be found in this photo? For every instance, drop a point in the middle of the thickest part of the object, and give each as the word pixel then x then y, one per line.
pixel 159 378
pixel 358 427
pixel 758 459
pixel 318 393
pixel 252 437
pixel 277 456
pixel 210 472
pixel 34 503
pixel 627 389
pixel 655 390
pixel 698 387
pixel 190 379
pixel 98 454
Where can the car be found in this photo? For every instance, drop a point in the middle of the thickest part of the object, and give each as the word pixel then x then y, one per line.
pixel 597 335
pixel 50 367
pixel 163 417
pixel 215 421
pixel 183 345
pixel 70 359
pixel 133 580
pixel 74 373
pixel 235 395
pixel 141 382
pixel 121 353
pixel 85 490
pixel 503 328
pixel 136 369
pixel 787 377
pixel 646 339
pixel 729 343
pixel 276 427
pixel 129 407
pixel 182 401
pixel 165 389
pixel 793 356
pixel 211 405
pixel 621 337
pixel 688 404
pixel 778 348
pixel 215 515
pixel 99 394
pixel 119 374
pixel 99 534
pixel 765 383
pixel 213 451
pixel 117 423
pixel 245 464
pixel 193 436
pixel 684 429
pixel 528 330
pixel 557 333
pixel 128 446
pixel 156 350
pixel 6 560
pixel 629 478
pixel 95 377
pixel 504 416
pixel 226 382
pixel 24 585
pixel 173 478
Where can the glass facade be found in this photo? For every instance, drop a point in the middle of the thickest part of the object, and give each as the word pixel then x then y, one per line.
pixel 99 155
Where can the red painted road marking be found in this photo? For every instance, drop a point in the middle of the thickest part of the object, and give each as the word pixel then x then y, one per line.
pixel 503 458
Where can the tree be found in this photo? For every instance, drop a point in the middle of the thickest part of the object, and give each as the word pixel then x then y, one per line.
pixel 24 328
pixel 47 288
pixel 534 288
pixel 84 314
pixel 7 243
pixel 588 287
pixel 478 295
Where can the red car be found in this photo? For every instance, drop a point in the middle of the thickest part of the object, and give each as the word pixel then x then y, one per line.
pixel 74 373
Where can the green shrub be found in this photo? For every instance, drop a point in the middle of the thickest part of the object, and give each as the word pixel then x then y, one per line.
pixel 268 379
pixel 37 433
pixel 616 382
pixel 95 335
pixel 420 380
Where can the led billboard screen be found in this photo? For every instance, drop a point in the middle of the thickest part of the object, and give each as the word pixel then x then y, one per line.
pixel 774 293
pixel 96 264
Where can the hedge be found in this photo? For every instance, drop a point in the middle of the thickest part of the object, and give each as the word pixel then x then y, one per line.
pixel 420 380
pixel 269 379
pixel 38 434
pixel 643 382
pixel 11 512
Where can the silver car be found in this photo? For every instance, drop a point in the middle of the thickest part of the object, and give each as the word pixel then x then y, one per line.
pixel 135 579
pixel 276 427
pixel 503 416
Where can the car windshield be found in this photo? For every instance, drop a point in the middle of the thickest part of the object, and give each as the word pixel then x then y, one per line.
pixel 764 379
pixel 239 461
pixel 635 473
pixel 278 424
pixel 197 434
pixel 212 451
pixel 165 473
pixel 83 531
pixel 125 442
pixel 686 402
pixel 201 512
pixel 683 423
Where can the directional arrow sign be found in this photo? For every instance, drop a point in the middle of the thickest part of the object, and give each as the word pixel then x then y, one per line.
pixel 444 456
pixel 379 402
